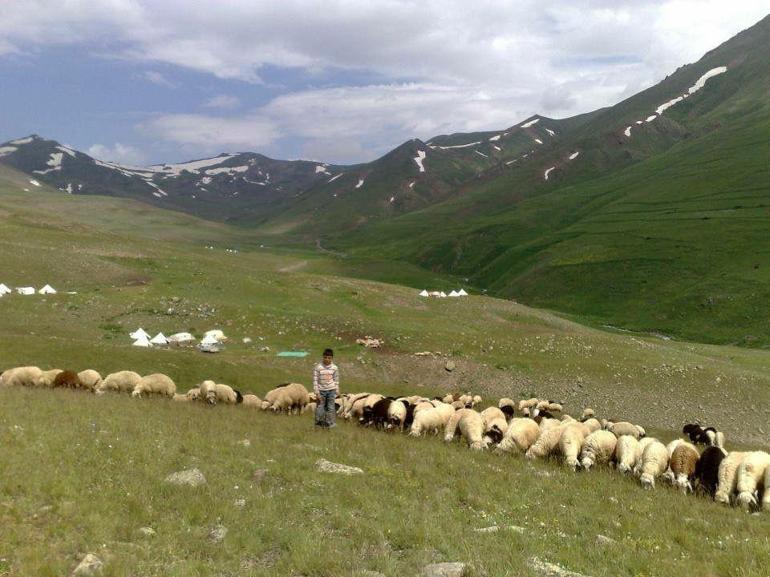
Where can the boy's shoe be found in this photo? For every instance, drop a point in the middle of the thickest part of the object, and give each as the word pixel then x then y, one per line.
pixel 331 426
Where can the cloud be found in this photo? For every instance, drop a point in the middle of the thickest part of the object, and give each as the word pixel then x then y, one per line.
pixel 223 101
pixel 158 78
pixel 119 153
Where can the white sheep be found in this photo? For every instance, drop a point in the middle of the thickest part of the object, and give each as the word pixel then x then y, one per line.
pixel 626 453
pixel 751 476
pixel 728 476
pixel 495 424
pixel 520 436
pixel 528 404
pixel 48 377
pixel 598 448
pixel 593 425
pixel 252 401
pixel 397 414
pixel 155 384
pixel 571 443
pixel 640 447
pixel 21 377
pixel 507 406
pixel 207 392
pixel 766 497
pixel 654 463
pixel 547 443
pixel 225 394
pixel 431 420
pixel 193 394
pixel 625 428
pixel 588 413
pixel 180 398
pixel 470 426
pixel 90 379
pixel 120 382
pixel 546 424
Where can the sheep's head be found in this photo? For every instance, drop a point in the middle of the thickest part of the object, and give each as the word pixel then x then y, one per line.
pixel 136 393
pixel 587 462
pixel 746 500
pixel 647 481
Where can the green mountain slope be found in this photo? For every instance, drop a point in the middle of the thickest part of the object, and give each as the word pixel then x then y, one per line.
pixel 666 230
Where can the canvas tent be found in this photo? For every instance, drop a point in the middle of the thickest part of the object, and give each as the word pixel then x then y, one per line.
pixel 424 293
pixel 139 334
pixel 26 290
pixel 181 338
pixel 4 290
pixel 209 340
pixel 142 341
pixel 159 339
pixel 454 294
pixel 47 290
pixel 215 334
pixel 442 295
pixel 462 293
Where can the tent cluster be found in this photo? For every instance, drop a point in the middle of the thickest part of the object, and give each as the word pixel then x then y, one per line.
pixel 442 294
pixel 142 338
pixel 27 290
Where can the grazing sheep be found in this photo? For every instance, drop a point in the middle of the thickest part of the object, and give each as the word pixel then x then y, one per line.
pixel 120 382
pixel 547 443
pixel 431 420
pixel 470 425
pixel 520 436
pixel 640 447
pixel 476 400
pixel 766 496
pixel 48 377
pixel 155 384
pixel 466 400
pixel 669 475
pixel 751 478
pixel 193 394
pixel 507 406
pixel 180 398
pixel 626 453
pixel 377 414
pixel 708 436
pixel 67 380
pixel 397 414
pixel 587 414
pixel 654 463
pixel 571 443
pixel 289 397
pixel 593 425
pixel 626 428
pixel 546 424
pixel 207 392
pixel 21 377
pixel 528 404
pixel 495 424
pixel 598 448
pixel 89 379
pixel 707 470
pixel 449 399
pixel 728 476
pixel 555 407
pixel 683 462
pixel 227 395
pixel 359 403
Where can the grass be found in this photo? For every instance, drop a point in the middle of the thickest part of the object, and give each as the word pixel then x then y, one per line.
pixel 99 466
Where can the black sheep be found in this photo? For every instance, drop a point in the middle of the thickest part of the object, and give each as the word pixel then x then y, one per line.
pixel 707 470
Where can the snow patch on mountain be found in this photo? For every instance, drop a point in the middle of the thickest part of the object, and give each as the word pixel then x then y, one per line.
pixel 494 138
pixel 530 123
pixel 360 183
pixel 627 132
pixel 231 170
pixel 701 82
pixel 651 118
pixel 574 155
pixel 547 172
pixel 411 184
pixel 666 105
pixel 335 177
pixel 34 182
pixel 421 154
pixel 497 148
pixel 5 150
pixel 480 153
pixel 538 141
pixel 54 162
pixel 460 145
pixel 66 150
pixel 321 168
pixel 173 170
pixel 20 141
pixel 551 132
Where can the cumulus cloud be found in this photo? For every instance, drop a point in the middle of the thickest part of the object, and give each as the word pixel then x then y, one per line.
pixel 442 65
pixel 119 153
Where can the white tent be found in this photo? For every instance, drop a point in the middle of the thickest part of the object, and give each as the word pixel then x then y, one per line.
pixel 25 290
pixel 424 293
pixel 4 290
pixel 142 341
pixel 180 338
pixel 454 294
pixel 139 334
pixel 215 334
pixel 462 293
pixel 47 290
pixel 159 339
pixel 209 340
pixel 442 295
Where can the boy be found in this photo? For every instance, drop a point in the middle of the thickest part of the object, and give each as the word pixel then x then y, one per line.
pixel 326 385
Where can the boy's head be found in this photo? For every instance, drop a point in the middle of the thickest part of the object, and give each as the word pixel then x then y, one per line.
pixel 328 356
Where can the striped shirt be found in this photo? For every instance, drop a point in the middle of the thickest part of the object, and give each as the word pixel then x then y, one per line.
pixel 326 377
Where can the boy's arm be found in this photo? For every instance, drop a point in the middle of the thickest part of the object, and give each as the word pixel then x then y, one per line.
pixel 315 381
pixel 337 379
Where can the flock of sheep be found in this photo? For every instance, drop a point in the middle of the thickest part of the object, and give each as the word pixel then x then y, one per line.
pixel 533 427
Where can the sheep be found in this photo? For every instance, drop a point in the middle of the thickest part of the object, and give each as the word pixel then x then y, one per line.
pixel 565 418
pixel 707 470
pixel 654 463
pixel 66 380
pixel 520 436
pixel 457 405
pixel 587 414
pixel 180 398
pixel 227 395
pixel 48 377
pixel 571 443
pixel 21 377
pixel 495 424
pixel 626 453
pixel 683 462
pixel 155 384
pixel 476 400
pixel 507 406
pixel 377 414
pixel 207 392
pixel 466 400
pixel 625 428
pixel 669 475
pixel 751 477
pixel 708 436
pixel 397 414
pixel 290 397
pixel 766 496
pixel 528 404
pixel 252 401
pixel 640 447
pixel 599 447
pixel 359 403
pixel 593 425
pixel 431 420
pixel 120 382
pixel 193 394
pixel 449 399
pixel 728 476
pixel 546 424
pixel 546 443
pixel 89 379
pixel 471 427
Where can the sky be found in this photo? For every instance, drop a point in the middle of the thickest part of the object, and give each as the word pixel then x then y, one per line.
pixel 341 81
